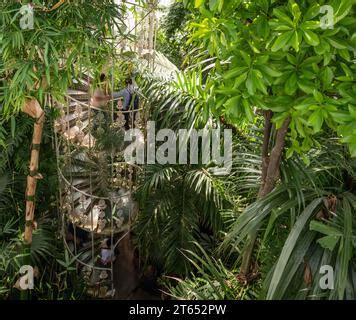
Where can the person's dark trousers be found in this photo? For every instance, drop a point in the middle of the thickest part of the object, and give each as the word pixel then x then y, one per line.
pixel 127 120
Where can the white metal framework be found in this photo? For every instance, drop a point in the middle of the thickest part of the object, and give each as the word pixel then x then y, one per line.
pixel 96 184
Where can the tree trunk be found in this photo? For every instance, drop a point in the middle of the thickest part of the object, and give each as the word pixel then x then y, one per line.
pixel 265 156
pixel 34 110
pixel 270 176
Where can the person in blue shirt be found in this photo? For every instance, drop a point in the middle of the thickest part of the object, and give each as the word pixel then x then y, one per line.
pixel 126 94
pixel 130 99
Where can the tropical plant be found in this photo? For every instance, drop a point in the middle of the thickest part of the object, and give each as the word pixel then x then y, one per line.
pixel 171 34
pixel 306 201
pixel 44 249
pixel 46 246
pixel 43 61
pixel 305 88
pixel 212 280
pixel 180 204
pixel 278 74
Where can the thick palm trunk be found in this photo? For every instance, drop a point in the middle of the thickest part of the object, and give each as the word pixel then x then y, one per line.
pixel 269 178
pixel 34 110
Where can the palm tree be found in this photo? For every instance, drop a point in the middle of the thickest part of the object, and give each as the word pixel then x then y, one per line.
pixel 308 204
pixel 180 203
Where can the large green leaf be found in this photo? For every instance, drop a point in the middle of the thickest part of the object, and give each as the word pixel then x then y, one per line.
pixel 310 37
pixel 282 41
pixel 289 246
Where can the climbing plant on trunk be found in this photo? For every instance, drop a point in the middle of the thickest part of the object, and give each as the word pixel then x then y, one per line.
pixel 40 57
pixel 292 61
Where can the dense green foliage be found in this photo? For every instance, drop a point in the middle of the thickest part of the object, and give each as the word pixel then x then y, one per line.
pixel 171 36
pixel 56 273
pixel 240 63
pixel 246 58
pixel 275 55
pixel 63 43
pixel 35 63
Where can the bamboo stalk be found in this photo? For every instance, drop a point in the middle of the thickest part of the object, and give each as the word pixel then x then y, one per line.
pixel 34 110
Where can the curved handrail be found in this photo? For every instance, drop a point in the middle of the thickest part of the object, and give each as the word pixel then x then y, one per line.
pixel 100 109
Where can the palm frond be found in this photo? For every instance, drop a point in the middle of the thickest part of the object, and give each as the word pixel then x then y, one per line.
pixel 211 281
